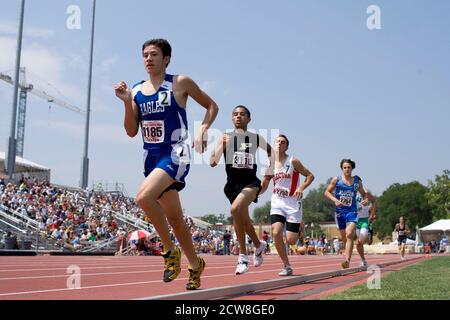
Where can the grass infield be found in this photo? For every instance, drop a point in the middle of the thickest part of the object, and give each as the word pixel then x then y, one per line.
pixel 426 280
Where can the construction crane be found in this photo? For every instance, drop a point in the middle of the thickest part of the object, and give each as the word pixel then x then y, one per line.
pixel 24 89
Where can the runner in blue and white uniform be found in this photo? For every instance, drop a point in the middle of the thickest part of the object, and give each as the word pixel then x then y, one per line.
pixel 158 107
pixel 342 190
pixel 366 214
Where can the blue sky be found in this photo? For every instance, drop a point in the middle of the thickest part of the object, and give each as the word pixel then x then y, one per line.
pixel 311 69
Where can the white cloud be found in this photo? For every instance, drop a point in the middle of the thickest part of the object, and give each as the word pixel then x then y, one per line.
pixel 98 133
pixel 208 86
pixel 108 63
pixel 7 55
pixel 11 28
pixel 45 69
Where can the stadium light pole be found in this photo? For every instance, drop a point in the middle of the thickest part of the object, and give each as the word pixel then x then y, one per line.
pixel 10 159
pixel 85 160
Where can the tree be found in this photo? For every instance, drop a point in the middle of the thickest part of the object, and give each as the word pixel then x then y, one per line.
pixel 317 208
pixel 438 196
pixel 262 214
pixel 213 218
pixel 406 200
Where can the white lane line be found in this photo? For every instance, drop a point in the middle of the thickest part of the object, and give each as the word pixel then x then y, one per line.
pixel 142 282
pixel 132 265
pixel 156 271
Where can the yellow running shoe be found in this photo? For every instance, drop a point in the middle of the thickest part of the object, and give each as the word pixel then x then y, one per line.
pixel 194 275
pixel 345 264
pixel 171 264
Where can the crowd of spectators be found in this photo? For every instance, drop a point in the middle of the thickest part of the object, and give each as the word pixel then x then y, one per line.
pixel 70 218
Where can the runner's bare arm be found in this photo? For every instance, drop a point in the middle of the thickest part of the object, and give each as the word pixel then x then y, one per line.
pixel 373 211
pixel 265 183
pixel 407 230
pixel 304 172
pixel 218 151
pixel 371 197
pixel 131 119
pixel 270 154
pixel 363 193
pixel 329 193
pixel 270 169
pixel 194 91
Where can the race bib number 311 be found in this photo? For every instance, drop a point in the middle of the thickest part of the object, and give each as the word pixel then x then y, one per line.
pixel 242 160
pixel 153 131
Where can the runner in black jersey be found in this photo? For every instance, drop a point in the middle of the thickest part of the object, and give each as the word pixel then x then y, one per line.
pixel 402 230
pixel 243 186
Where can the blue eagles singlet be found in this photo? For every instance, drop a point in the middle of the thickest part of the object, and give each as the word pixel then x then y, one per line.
pixel 347 195
pixel 164 131
pixel 163 122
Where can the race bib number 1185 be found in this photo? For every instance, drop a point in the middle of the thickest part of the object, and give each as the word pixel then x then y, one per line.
pixel 153 131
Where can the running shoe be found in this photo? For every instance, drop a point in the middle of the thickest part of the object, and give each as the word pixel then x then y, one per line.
pixel 287 271
pixel 363 264
pixel 345 264
pixel 194 275
pixel 242 266
pixel 171 264
pixel 258 255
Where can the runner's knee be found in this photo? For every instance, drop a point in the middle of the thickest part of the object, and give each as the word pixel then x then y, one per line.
pixel 350 235
pixel 363 235
pixel 143 200
pixel 236 208
pixel 291 240
pixel 177 223
pixel 277 234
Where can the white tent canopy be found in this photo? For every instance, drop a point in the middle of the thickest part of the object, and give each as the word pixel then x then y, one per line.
pixel 435 231
pixel 440 225
pixel 26 169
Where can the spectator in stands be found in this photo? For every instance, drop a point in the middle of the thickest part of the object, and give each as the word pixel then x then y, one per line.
pixel 428 248
pixel 226 242
pixel 321 244
pixel 336 246
pixel 142 247
pixel 265 238
pixel 84 235
pixel 443 244
pixel 307 243
pixel 56 234
pixel 54 207
pixel 11 241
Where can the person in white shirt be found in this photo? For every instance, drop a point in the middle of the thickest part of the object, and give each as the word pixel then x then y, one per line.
pixel 286 205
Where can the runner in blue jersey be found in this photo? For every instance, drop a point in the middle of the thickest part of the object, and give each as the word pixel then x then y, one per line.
pixel 343 190
pixel 158 107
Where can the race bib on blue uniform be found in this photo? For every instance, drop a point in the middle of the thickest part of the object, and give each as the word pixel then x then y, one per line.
pixel 164 98
pixel 153 131
pixel 346 201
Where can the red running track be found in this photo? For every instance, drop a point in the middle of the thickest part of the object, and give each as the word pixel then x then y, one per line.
pixel 119 278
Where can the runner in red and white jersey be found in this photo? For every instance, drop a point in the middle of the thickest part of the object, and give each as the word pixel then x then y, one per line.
pixel 286 205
